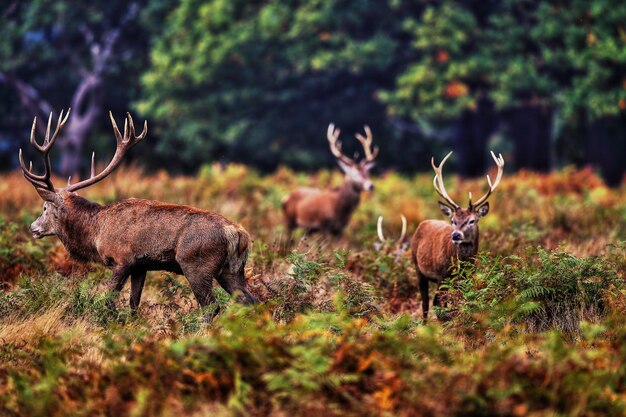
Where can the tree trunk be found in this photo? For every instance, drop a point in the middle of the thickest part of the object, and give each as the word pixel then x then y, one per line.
pixel 530 127
pixel 606 147
pixel 472 136
pixel 86 106
pixel 570 145
pixel 87 99
pixel 71 150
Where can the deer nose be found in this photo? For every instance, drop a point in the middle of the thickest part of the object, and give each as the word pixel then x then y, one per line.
pixel 34 231
pixel 368 186
pixel 456 236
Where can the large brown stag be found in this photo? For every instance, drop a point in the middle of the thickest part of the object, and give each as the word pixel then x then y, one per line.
pixel 328 211
pixel 437 244
pixel 134 236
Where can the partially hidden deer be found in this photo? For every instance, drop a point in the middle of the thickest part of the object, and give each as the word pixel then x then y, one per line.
pixel 134 236
pixel 399 246
pixel 437 244
pixel 329 211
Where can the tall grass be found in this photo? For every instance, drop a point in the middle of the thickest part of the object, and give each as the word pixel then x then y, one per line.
pixel 536 323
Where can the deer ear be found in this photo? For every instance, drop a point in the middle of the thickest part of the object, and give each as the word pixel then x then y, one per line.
pixel 47 195
pixel 344 166
pixel 445 209
pixel 483 210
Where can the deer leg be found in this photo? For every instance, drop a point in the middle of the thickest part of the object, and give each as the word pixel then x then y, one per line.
pixel 437 302
pixel 336 232
pixel 202 288
pixel 235 283
pixel 200 274
pixel 137 280
pixel 291 228
pixel 423 285
pixel 116 284
pixel 290 221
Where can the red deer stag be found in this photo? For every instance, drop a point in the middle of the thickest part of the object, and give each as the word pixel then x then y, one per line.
pixel 328 211
pixel 437 244
pixel 134 236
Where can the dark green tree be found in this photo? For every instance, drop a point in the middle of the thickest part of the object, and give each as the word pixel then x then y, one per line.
pixel 259 81
pixel 448 81
pixel 591 64
pixel 543 65
pixel 566 58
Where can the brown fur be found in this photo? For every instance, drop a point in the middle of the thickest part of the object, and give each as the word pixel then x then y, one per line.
pixel 327 211
pixel 134 236
pixel 433 251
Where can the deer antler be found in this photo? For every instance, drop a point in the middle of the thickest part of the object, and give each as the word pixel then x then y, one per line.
pixel 379 229
pixel 124 143
pixel 366 142
pixel 438 181
pixel 499 160
pixel 43 181
pixel 332 135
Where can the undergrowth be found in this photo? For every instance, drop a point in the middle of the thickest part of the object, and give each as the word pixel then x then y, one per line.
pixel 535 326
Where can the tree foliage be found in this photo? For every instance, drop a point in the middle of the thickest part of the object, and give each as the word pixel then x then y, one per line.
pixel 567 54
pixel 260 81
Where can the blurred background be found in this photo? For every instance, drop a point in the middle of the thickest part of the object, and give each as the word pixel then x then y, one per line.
pixel 257 82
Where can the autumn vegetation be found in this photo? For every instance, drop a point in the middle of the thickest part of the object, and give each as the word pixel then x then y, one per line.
pixel 535 327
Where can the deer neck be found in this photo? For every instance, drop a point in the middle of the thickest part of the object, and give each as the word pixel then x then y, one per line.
pixel 78 227
pixel 467 250
pixel 349 196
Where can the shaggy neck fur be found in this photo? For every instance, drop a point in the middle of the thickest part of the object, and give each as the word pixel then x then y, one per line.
pixel 349 196
pixel 78 227
pixel 467 250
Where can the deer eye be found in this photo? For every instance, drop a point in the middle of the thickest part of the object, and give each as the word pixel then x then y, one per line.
pixel 472 222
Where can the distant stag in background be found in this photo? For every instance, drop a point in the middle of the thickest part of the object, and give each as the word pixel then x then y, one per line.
pixel 436 245
pixel 134 236
pixel 328 211
pixel 399 246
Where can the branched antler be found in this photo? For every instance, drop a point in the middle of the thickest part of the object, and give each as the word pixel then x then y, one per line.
pixel 366 142
pixel 124 143
pixel 43 180
pixel 499 160
pixel 332 135
pixel 438 181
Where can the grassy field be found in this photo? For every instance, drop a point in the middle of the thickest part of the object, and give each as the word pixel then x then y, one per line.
pixel 537 325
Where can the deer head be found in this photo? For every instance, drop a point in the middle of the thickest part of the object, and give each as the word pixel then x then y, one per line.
pixel 48 223
pixel 355 172
pixel 465 220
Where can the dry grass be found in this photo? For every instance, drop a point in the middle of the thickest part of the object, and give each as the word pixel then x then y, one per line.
pixel 339 331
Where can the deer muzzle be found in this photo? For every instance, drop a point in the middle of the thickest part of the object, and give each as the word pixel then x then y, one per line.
pixel 35 231
pixel 457 237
